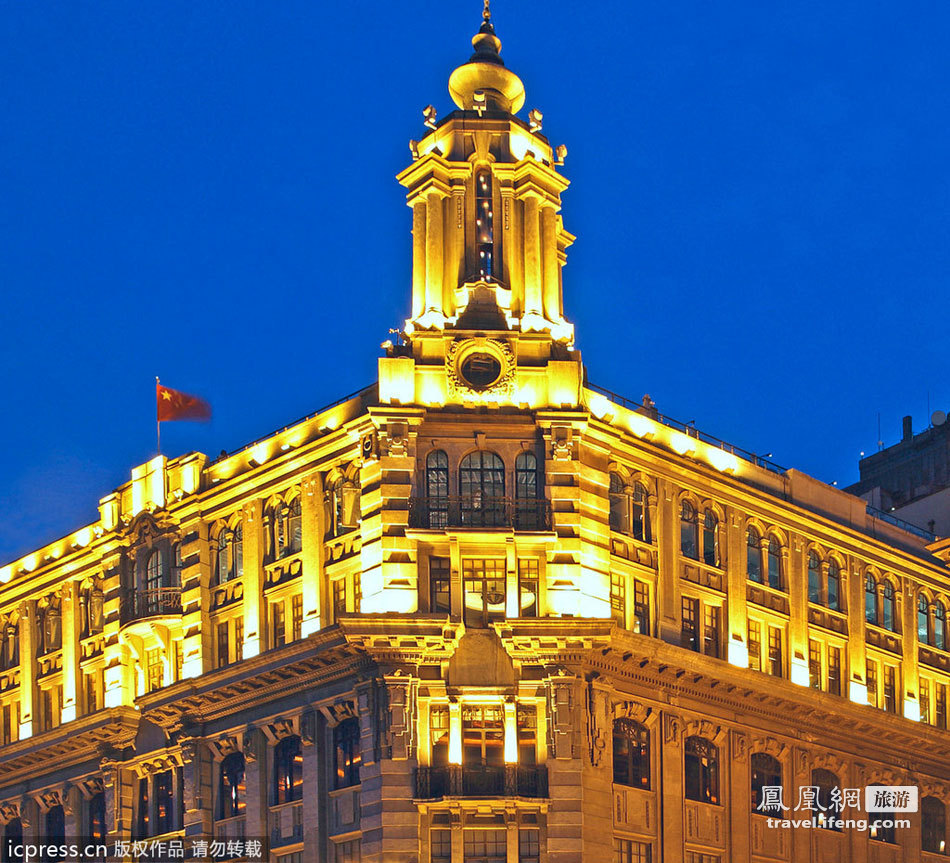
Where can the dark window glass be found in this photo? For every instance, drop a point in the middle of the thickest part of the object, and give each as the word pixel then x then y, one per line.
pixel 288 770
pixel 483 582
pixel 923 620
pixel 141 810
pixel 940 626
pixel 437 488
pixel 164 802
pixel 618 504
pixel 766 770
pixel 231 786
pixel 690 633
pixel 814 578
pixel 870 599
pixel 689 531
pixel 827 784
pixel 528 581
pixel 775 564
pixel 834 585
pixel 96 824
pixel 439 585
pixel 933 816
pixel 482 490
pixel 484 224
pixel 753 555
pixel 641 607
pixel 710 538
pixel 12 838
pixel 702 770
pixel 889 607
pixel 55 833
pixel 347 754
pixel 631 751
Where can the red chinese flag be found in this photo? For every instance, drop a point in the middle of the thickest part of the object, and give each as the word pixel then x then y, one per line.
pixel 175 405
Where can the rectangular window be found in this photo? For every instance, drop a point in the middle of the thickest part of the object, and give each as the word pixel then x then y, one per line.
pixel 814 663
pixel 439 585
pixel 528 580
pixel 238 639
pixel 339 597
pixel 11 721
pixel 439 734
pixel 527 734
pixel 92 680
pixel 872 683
pixel 776 665
pixel 440 846
pixel 347 852
pixel 711 630
pixel 924 697
pixel 164 807
pixel 277 629
pixel 485 846
pixel 699 857
pixel 755 645
pixel 357 591
pixel 834 670
pixel 690 612
pixel 296 616
pixel 641 607
pixel 484 582
pixel 141 810
pixel 529 845
pixel 618 598
pixel 631 851
pixel 179 658
pixel 153 665
pixel 483 737
pixel 223 644
pixel 940 713
pixel 890 689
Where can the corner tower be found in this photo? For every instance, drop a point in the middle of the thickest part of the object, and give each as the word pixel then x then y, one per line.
pixel 487 322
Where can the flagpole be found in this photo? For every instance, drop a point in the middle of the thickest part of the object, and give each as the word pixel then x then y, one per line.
pixel 158 422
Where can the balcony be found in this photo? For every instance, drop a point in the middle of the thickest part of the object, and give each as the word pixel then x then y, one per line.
pixel 145 604
pixel 509 780
pixel 474 511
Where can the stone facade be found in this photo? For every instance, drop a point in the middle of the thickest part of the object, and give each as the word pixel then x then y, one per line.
pixel 479 611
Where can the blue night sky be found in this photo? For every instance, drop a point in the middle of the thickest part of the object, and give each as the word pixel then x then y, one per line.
pixel 205 191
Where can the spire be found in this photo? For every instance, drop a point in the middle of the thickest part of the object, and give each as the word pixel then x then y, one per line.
pixel 484 83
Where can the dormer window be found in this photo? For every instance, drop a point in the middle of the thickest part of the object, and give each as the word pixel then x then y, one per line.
pixel 484 225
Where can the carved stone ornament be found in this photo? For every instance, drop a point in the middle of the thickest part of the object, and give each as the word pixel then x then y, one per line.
pixel 672 728
pixel 480 370
pixel 740 746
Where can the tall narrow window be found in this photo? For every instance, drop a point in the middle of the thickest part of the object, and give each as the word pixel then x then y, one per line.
pixel 933 815
pixel 631 753
pixel 346 753
pixel 482 489
pixel 702 770
pixel 689 531
pixel 834 585
pixel 640 511
pixel 870 599
pixel 296 617
pixel 618 598
pixel 889 607
pixel 528 582
pixel 776 665
pixel 753 565
pixel 755 645
pixel 527 718
pixel 923 620
pixel 710 538
pixel 940 625
pixel 237 552
pixel 484 224
pixel 776 581
pixel 288 770
pixel 221 569
pixel 231 786
pixel 890 689
pixel 96 824
pixel 437 488
pixel 641 607
pixel 484 582
pixel 690 633
pixel 924 699
pixel 814 578
pixel 439 735
pixel 164 802
pixel 872 683
pixel 439 583
pixel 294 527
pixel 527 512
pixel 814 663
pixel 828 788
pixel 55 833
pixel 153 572
pixel 618 504
pixel 278 630
pixel 711 639
pixel 141 810
pixel 766 770
pixel 834 670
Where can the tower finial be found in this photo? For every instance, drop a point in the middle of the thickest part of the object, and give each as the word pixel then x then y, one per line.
pixel 486 12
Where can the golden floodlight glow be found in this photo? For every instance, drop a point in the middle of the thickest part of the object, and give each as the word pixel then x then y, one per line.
pixel 799 671
pixel 858 692
pixel 738 653
pixel 29 562
pixel 83 537
pixel 600 406
pixel 640 425
pixel 912 709
pixel 724 462
pixel 6 573
pixel 682 443
pixel 259 454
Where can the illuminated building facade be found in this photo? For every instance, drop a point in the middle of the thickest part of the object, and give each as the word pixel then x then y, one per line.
pixel 479 611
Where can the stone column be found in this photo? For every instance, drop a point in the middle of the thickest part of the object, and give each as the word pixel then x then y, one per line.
pixel 28 723
pixel 198 785
pixel 418 257
pixel 667 576
pixel 672 827
pixel 71 630
pixel 72 809
pixel 550 269
pixel 907 617
pixel 312 532
pixel 255 615
pixel 313 779
pixel 797 611
pixel 255 777
pixel 856 686
pixel 434 252
pixel 740 797
pixel 737 630
pixel 532 257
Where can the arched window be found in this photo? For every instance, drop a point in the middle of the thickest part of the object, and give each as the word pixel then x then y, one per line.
pixel 940 625
pixel 870 599
pixel 55 833
pixel 833 587
pixel 221 568
pixel 618 504
pixel 889 607
pixel 437 488
pixel 710 538
pixel 288 770
pixel 689 531
pixel 347 754
pixel 702 770
pixel 640 513
pixel 828 790
pixel 776 576
pixel 766 771
pixel 753 565
pixel 231 786
pixel 96 824
pixel 482 489
pixel 484 224
pixel 287 529
pixel 924 635
pixel 12 838
pixel 631 748
pixel 153 571
pixel 933 836
pixel 229 557
pixel 527 487
pixel 814 577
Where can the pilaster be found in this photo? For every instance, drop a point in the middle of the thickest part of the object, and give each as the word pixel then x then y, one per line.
pixel 255 616
pixel 70 606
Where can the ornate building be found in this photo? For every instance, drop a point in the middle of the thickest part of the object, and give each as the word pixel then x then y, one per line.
pixel 479 611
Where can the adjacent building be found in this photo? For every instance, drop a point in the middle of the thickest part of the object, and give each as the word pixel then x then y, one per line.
pixel 480 611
